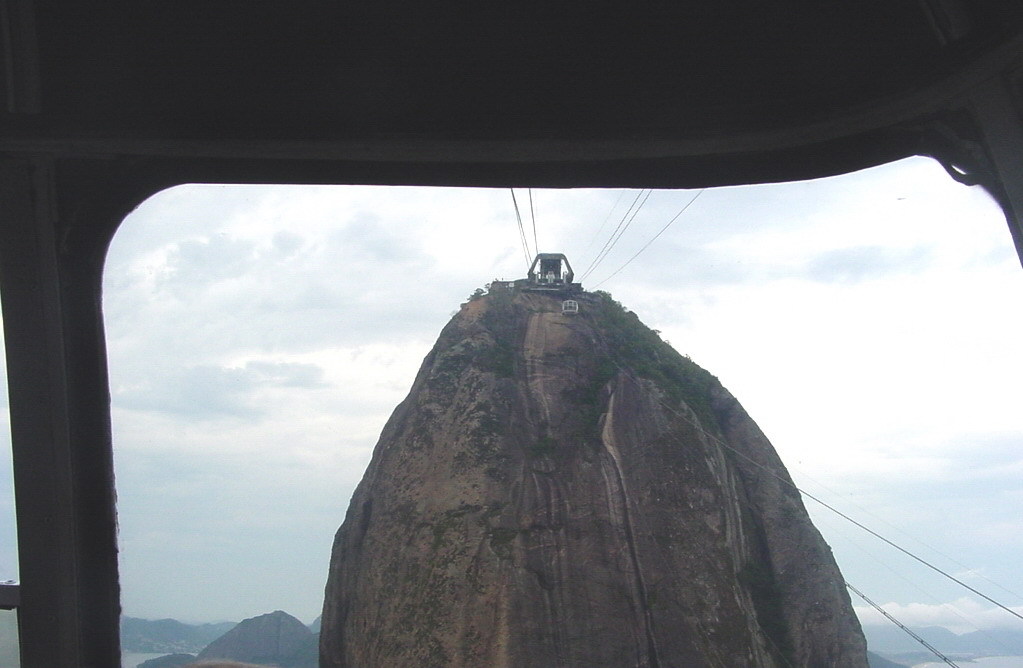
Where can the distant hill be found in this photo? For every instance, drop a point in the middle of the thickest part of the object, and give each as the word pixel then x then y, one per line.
pixel 276 638
pixel 168 635
pixel 994 641
pixel 892 640
pixel 878 661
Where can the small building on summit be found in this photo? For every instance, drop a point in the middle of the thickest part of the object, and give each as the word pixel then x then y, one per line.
pixel 550 272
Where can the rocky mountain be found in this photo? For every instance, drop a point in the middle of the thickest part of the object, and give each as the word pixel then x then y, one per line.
pixel 564 489
pixel 276 639
pixel 168 635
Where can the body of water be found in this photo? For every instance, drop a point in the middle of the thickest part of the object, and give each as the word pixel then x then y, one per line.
pixel 986 662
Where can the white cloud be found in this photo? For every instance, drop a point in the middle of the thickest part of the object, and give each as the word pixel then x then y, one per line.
pixel 960 616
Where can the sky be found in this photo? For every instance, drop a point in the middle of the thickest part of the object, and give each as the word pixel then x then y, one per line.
pixel 259 337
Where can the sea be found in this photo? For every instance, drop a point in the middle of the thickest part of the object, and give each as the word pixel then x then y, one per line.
pixel 986 662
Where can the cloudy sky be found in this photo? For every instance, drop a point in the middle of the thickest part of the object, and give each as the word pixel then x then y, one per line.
pixel 260 336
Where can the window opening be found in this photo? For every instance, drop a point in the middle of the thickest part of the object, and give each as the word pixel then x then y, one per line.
pixel 259 337
pixel 9 589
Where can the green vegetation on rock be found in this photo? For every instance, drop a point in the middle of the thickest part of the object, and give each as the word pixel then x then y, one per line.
pixel 633 345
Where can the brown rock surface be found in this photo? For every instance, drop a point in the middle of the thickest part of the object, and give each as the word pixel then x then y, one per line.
pixel 567 490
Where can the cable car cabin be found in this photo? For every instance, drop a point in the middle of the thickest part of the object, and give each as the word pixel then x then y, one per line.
pixel 551 271
pixel 570 306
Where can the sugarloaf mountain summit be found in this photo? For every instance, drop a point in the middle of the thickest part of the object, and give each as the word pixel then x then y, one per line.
pixel 562 488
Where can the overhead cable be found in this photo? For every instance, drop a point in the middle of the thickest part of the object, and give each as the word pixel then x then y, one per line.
pixel 915 538
pixel 699 427
pixel 589 267
pixel 647 244
pixel 613 241
pixel 600 229
pixel 902 626
pixel 951 607
pixel 522 232
pixel 909 554
pixel 532 215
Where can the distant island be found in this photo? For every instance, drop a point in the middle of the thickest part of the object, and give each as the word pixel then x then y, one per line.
pixel 169 635
pixel 275 638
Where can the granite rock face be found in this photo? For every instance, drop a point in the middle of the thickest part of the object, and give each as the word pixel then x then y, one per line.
pixel 566 490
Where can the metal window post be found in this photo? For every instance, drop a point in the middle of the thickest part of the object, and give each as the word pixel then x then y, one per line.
pixel 60 429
